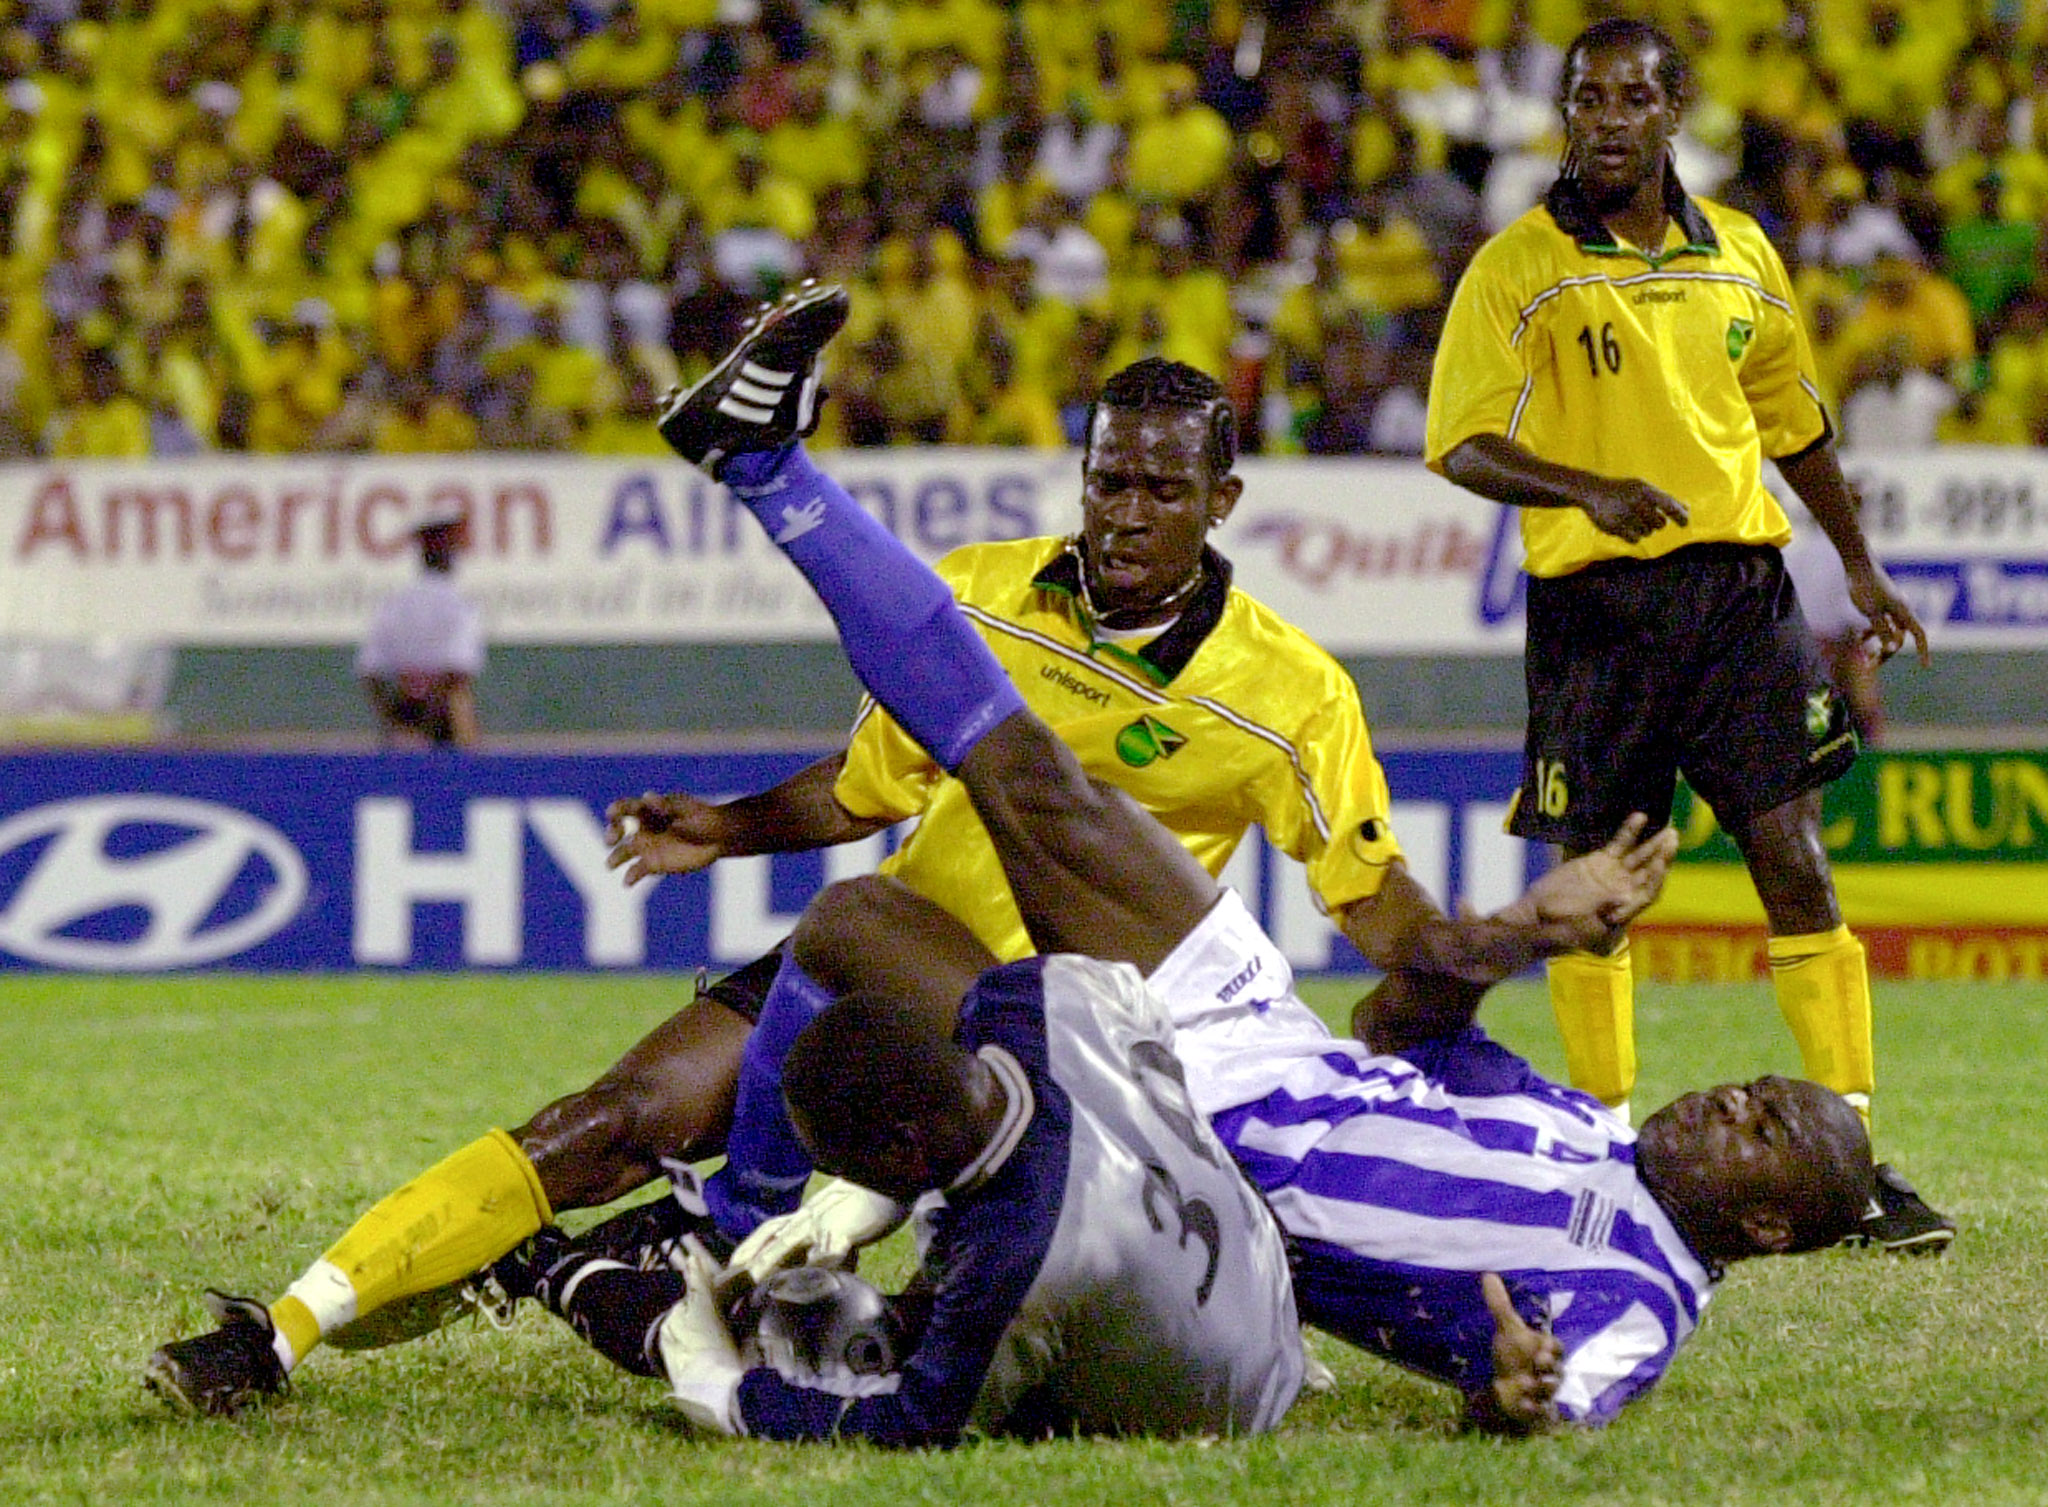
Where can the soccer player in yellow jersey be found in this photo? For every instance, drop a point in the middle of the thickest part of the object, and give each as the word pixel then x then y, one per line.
pixel 1618 363
pixel 1130 641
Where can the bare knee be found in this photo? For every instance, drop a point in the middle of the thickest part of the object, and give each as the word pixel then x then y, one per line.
pixel 1788 863
pixel 877 934
pixel 589 1147
pixel 843 912
pixel 671 1095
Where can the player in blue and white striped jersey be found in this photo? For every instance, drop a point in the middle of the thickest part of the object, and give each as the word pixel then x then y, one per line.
pixel 1094 1263
pixel 1428 1175
pixel 1454 1160
pixel 1405 1174
pixel 1414 1169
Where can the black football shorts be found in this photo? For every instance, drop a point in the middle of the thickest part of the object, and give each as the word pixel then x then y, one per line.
pixel 1697 662
pixel 745 989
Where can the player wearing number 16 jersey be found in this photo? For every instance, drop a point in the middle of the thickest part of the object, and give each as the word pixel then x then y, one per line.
pixel 1618 363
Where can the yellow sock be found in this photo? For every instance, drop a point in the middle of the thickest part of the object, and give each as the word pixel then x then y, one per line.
pixel 465 1210
pixel 1824 995
pixel 1593 998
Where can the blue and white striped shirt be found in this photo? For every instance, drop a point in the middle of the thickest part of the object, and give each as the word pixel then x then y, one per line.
pixel 1401 1180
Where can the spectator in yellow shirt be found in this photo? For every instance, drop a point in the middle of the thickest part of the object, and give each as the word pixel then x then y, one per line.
pixel 948 305
pixel 756 198
pixel 1888 65
pixel 1983 416
pixel 570 380
pixel 975 27
pixel 814 148
pixel 1036 330
pixel 1826 301
pixel 190 363
pixel 419 421
pixel 920 345
pixel 2018 364
pixel 1386 261
pixel 1905 299
pixel 300 384
pixel 1192 297
pixel 626 427
pixel 1180 155
pixel 1009 411
pixel 622 59
pixel 109 423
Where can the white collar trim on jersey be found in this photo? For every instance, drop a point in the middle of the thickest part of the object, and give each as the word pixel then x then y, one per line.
pixel 1017 1113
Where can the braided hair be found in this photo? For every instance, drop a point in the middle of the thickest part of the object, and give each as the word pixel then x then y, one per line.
pixel 1156 383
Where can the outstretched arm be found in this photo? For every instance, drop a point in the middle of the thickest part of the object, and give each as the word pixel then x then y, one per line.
pixel 1438 968
pixel 1579 904
pixel 680 834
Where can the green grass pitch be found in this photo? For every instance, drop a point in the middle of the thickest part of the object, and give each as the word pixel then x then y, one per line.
pixel 163 1134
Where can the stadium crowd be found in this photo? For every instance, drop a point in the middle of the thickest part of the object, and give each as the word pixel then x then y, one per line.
pixel 444 225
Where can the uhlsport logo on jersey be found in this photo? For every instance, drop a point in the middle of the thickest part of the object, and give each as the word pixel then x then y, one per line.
pixel 1148 739
pixel 130 882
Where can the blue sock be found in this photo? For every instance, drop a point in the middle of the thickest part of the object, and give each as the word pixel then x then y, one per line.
pixel 766 1166
pixel 909 643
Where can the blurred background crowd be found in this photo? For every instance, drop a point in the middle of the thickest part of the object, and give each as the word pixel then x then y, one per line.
pixel 444 225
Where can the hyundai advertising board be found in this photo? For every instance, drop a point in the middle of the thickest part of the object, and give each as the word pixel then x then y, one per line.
pixel 136 862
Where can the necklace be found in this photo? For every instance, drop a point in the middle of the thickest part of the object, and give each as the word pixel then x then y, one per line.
pixel 1170 604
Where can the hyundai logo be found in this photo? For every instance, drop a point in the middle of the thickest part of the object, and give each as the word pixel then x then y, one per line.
pixel 123 883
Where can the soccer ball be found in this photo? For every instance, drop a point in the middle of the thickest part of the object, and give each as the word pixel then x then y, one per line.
pixel 821 1328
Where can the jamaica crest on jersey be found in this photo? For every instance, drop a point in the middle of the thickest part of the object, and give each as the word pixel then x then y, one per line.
pixel 1148 740
pixel 1828 724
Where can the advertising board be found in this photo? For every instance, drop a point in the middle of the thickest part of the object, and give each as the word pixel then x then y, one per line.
pixel 141 862
pixel 1367 556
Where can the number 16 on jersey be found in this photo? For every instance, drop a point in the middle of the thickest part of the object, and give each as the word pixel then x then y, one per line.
pixel 1551 795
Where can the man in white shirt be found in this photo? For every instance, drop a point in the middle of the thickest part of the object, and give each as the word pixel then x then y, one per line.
pixel 425 648
pixel 1895 405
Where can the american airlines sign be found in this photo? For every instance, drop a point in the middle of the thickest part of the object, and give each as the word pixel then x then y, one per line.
pixel 128 862
pixel 1367 556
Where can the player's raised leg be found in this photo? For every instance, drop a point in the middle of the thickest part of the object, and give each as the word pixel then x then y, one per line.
pixel 951 690
pixel 1072 842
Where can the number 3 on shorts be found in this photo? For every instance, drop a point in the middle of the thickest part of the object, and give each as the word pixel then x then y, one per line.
pixel 1552 797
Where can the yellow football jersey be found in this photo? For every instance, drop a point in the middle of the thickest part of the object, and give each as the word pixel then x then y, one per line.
pixel 1684 369
pixel 1230 717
